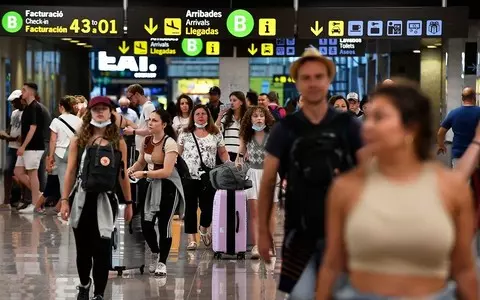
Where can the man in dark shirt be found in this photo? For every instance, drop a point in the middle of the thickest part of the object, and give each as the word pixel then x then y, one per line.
pixel 214 102
pixel 313 74
pixel 31 151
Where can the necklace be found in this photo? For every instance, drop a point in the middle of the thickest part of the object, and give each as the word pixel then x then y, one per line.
pixel 158 143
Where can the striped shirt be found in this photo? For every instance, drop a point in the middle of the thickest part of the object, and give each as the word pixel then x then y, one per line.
pixel 231 135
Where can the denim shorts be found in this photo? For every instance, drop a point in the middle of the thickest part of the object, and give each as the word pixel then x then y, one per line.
pixel 348 292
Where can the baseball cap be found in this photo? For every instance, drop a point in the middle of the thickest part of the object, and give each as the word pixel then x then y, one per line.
pixel 214 90
pixel 353 96
pixel 99 100
pixel 312 54
pixel 15 95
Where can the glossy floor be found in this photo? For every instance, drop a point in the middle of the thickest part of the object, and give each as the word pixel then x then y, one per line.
pixel 37 261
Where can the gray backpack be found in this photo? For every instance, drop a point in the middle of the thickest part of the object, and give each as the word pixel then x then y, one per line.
pixel 228 177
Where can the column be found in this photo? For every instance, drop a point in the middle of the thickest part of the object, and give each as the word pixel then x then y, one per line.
pixel 453 99
pixel 234 75
pixel 431 79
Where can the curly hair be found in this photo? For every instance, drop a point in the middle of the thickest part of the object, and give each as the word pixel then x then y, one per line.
pixel 112 132
pixel 179 100
pixel 229 115
pixel 210 128
pixel 246 131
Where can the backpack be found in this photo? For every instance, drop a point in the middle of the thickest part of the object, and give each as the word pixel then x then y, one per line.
pixel 316 157
pixel 228 177
pixel 276 112
pixel 65 156
pixel 101 168
pixel 180 165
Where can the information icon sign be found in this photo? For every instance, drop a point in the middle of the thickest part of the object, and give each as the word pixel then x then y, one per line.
pixel 434 27
pixel 375 28
pixel 414 28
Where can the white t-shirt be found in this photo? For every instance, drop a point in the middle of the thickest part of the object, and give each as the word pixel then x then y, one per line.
pixel 148 108
pixel 180 123
pixel 131 115
pixel 15 128
pixel 64 134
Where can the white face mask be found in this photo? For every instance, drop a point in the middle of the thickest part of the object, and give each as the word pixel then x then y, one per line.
pixel 200 126
pixel 100 124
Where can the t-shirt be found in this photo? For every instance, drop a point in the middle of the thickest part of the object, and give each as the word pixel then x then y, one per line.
pixel 64 134
pixel 130 115
pixel 180 123
pixel 231 135
pixel 148 108
pixel 214 110
pixel 208 147
pixel 47 118
pixel 463 121
pixel 33 115
pixel 15 128
pixel 280 142
pixel 149 149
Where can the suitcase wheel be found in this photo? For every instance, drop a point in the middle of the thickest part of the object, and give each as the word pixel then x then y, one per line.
pixel 217 255
pixel 119 272
pixel 142 269
pixel 241 256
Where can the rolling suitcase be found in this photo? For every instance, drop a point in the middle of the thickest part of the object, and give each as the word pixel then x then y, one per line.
pixel 128 243
pixel 229 224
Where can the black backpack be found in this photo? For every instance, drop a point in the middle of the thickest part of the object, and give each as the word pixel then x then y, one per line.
pixel 101 168
pixel 316 157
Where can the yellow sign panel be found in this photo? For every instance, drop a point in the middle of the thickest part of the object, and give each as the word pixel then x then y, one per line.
pixel 266 49
pixel 172 26
pixel 267 27
pixel 212 48
pixel 335 28
pixel 140 48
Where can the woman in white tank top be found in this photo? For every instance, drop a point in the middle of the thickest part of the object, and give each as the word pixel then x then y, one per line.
pixel 404 226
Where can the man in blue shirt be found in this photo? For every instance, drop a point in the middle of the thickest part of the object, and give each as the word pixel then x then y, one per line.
pixel 463 121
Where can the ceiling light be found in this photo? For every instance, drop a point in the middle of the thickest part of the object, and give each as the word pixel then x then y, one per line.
pixel 66 39
pixel 431 46
pixel 81 44
pixel 74 41
pixel 88 46
pixel 438 44
pixel 416 51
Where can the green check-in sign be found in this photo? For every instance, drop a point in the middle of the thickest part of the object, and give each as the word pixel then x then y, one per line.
pixel 12 22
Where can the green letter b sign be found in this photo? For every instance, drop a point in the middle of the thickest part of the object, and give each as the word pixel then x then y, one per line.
pixel 12 22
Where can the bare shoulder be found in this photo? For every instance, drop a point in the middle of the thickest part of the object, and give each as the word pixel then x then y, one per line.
pixel 348 184
pixel 453 187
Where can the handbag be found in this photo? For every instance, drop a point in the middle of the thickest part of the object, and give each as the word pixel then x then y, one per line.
pixel 205 177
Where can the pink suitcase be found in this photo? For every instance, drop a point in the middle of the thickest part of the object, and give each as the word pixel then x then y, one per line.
pixel 229 224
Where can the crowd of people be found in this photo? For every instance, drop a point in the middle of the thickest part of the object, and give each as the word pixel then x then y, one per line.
pixel 368 213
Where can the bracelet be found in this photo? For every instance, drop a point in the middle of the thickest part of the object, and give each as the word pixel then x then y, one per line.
pixel 64 199
pixel 145 174
pixel 130 202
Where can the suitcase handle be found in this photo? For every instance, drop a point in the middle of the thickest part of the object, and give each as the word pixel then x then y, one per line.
pixel 238 221
pixel 115 238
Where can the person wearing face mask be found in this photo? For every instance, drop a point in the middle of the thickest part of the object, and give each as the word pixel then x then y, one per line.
pixel 92 214
pixel 254 132
pixel 125 111
pixel 198 145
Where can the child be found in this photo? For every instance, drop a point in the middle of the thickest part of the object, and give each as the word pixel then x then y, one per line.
pixel 254 133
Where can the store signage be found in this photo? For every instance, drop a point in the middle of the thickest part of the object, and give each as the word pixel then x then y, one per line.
pixel 210 23
pixel 139 66
pixel 61 21
pixel 379 22
pixel 292 47
pixel 167 47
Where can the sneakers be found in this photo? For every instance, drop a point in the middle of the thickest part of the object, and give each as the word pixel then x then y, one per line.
pixel 5 207
pixel 153 262
pixel 84 291
pixel 161 269
pixel 97 297
pixel 192 246
pixel 22 205
pixel 255 253
pixel 29 209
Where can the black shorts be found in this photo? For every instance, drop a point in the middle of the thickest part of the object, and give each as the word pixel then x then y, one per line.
pixel 52 188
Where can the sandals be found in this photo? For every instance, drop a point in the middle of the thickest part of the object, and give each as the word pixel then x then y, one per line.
pixel 192 246
pixel 206 237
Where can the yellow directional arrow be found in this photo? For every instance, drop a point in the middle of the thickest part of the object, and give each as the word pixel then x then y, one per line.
pixel 316 30
pixel 123 48
pixel 252 50
pixel 150 28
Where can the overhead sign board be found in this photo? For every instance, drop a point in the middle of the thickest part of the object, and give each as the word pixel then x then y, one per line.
pixel 166 47
pixel 61 21
pixel 211 23
pixel 383 23
pixel 291 47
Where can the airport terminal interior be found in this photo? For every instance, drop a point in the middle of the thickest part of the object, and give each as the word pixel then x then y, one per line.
pixel 153 61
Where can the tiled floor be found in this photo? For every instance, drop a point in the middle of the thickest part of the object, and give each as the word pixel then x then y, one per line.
pixel 37 261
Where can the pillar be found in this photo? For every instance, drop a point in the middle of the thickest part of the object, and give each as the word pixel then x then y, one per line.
pixel 431 78
pixel 234 75
pixel 455 83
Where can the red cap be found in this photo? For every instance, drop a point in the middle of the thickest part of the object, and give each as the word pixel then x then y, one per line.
pixel 99 100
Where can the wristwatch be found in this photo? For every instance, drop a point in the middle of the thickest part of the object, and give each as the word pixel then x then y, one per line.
pixel 129 202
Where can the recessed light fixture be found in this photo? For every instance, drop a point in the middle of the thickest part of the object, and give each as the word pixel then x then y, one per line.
pixel 416 51
pixel 431 46
pixel 81 44
pixel 74 41
pixel 438 44
pixel 66 39
pixel 88 46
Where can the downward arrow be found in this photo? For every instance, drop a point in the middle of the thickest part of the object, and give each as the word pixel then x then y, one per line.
pixel 316 30
pixel 150 28
pixel 252 50
pixel 123 48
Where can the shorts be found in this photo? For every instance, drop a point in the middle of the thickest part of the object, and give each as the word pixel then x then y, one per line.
pixel 255 175
pixel 30 160
pixel 11 161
